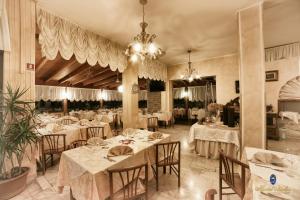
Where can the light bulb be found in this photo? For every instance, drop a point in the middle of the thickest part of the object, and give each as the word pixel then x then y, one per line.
pixel 121 88
pixel 137 47
pixel 134 58
pixel 152 48
pixel 197 76
pixel 181 76
pixel 191 79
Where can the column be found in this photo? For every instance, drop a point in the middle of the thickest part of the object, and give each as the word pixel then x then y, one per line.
pixel 169 96
pixel 17 70
pixel 130 99
pixel 252 76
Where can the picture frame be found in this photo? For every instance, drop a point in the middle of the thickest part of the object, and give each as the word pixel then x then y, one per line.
pixel 272 75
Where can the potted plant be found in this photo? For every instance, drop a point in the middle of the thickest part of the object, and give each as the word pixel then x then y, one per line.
pixel 17 133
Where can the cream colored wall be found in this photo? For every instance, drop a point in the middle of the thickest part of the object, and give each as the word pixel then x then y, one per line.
pixel 287 69
pixel 226 70
pixel 21 20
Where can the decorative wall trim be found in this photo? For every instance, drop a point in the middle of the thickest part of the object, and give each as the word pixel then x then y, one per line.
pixel 291 90
pixel 282 52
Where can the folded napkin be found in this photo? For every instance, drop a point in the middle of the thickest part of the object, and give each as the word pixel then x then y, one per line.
pixel 84 122
pixel 155 135
pixel 52 127
pixel 129 131
pixel 119 151
pixel 267 158
pixel 95 141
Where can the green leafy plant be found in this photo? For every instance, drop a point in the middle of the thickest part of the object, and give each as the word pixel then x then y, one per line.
pixel 17 131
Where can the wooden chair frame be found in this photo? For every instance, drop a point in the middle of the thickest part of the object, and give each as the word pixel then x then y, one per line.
pixel 53 143
pixel 129 182
pixel 95 131
pixel 228 163
pixel 149 124
pixel 66 121
pixel 78 143
pixel 169 159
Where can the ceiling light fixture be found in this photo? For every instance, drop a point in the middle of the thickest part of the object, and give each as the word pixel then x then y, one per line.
pixel 190 73
pixel 143 44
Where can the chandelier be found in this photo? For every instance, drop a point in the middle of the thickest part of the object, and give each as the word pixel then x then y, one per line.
pixel 190 73
pixel 143 44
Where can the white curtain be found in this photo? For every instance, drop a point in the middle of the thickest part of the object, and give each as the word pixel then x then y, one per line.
pixel 282 52
pixel 143 95
pixel 56 93
pixel 179 93
pixel 59 35
pixel 4 28
pixel 196 93
pixel 111 95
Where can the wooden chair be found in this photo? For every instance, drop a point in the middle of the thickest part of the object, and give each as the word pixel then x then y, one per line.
pixel 96 131
pixel 210 194
pixel 66 121
pixel 78 143
pixel 168 151
pixel 152 123
pixel 56 145
pixel 130 178
pixel 235 181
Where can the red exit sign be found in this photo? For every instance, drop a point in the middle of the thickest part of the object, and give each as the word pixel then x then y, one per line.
pixel 30 66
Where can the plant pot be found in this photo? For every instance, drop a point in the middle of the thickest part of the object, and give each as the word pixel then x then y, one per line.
pixel 11 187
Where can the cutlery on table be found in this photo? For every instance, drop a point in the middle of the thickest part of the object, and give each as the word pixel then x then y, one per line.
pixel 109 159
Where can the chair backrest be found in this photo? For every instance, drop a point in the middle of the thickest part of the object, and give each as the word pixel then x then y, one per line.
pixel 228 164
pixel 152 121
pixel 54 142
pixel 78 143
pixel 130 180
pixel 66 121
pixel 168 152
pixel 97 131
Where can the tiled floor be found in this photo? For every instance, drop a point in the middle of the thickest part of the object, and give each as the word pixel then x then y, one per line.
pixel 198 174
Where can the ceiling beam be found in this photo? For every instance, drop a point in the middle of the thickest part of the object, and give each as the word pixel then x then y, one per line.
pixel 100 77
pixel 80 70
pixel 41 65
pixel 94 75
pixel 107 80
pixel 71 62
pixel 109 84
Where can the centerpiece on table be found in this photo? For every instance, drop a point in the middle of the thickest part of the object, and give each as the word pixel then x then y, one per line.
pixel 17 134
pixel 214 110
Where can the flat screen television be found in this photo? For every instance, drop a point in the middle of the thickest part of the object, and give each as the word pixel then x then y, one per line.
pixel 156 86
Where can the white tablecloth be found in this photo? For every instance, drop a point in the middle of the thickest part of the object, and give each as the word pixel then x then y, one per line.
pixel 84 168
pixel 208 140
pixel 163 116
pixel 287 181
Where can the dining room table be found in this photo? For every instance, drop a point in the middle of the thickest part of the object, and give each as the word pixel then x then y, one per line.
pixel 84 169
pixel 273 175
pixel 209 138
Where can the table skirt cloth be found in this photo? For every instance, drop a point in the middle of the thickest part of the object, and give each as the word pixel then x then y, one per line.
pixel 210 149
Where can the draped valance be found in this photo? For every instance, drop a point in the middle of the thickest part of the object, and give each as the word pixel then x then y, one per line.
pixel 59 35
pixel 282 52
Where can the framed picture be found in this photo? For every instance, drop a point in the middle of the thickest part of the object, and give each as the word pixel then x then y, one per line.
pixel 272 75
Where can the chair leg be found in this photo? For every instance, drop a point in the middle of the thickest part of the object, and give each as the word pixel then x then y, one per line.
pixel 178 175
pixel 170 169
pixel 165 169
pixel 44 164
pixel 220 188
pixel 71 195
pixel 156 178
pixel 52 163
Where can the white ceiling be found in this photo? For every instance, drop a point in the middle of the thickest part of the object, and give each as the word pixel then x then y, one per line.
pixel 207 26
